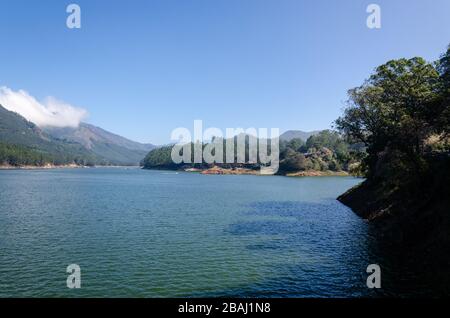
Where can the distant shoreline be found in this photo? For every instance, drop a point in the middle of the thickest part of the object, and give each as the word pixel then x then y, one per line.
pixel 49 167
pixel 210 171
pixel 245 171
pixel 31 167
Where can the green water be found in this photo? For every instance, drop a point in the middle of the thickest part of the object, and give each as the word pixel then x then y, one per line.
pixel 138 233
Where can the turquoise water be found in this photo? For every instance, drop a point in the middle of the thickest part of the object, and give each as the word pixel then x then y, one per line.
pixel 140 233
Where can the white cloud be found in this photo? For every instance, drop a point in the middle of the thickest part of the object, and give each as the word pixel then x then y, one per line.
pixel 50 112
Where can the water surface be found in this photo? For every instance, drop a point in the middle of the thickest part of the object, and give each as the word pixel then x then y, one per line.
pixel 140 233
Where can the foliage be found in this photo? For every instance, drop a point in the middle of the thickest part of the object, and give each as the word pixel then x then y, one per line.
pixel 325 151
pixel 159 158
pixel 23 143
pixel 17 155
pixel 396 113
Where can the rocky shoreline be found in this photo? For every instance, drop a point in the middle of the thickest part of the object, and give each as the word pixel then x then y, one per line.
pixel 315 173
pixel 245 171
pixel 413 221
pixel 47 166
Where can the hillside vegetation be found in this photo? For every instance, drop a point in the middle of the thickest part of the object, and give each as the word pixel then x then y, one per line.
pixel 402 115
pixel 23 143
pixel 323 151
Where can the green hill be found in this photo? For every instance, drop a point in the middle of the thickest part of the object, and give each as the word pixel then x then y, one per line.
pixel 23 143
pixel 323 151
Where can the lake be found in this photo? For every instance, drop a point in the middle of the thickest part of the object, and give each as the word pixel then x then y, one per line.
pixel 141 233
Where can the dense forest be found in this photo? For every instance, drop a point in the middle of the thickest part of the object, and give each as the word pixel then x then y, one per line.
pixel 23 143
pixel 401 114
pixel 324 151
pixel 17 155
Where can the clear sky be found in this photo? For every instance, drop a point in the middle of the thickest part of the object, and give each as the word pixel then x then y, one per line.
pixel 143 68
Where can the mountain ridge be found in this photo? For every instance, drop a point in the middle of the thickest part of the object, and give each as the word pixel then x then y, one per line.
pixel 23 142
pixel 103 143
pixel 300 134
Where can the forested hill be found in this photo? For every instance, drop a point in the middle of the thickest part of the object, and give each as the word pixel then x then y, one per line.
pixel 23 143
pixel 323 151
pixel 402 114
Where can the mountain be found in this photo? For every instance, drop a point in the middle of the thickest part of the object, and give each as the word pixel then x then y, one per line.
pixel 293 134
pixel 111 147
pixel 23 143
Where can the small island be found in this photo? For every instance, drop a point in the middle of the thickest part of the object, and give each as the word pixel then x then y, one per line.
pixel 324 153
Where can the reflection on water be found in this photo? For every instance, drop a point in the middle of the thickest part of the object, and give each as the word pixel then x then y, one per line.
pixel 143 233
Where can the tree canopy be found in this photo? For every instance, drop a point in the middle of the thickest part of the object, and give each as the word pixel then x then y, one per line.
pixel 397 112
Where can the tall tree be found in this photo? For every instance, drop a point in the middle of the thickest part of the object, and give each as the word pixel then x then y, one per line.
pixel 393 112
pixel 443 66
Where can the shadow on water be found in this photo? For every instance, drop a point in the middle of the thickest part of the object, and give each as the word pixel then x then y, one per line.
pixel 409 271
pixel 323 250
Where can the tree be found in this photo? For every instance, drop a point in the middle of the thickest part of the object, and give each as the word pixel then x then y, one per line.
pixel 294 162
pixel 295 144
pixel 394 111
pixel 443 66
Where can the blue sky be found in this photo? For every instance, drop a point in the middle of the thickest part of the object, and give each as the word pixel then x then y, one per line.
pixel 143 68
